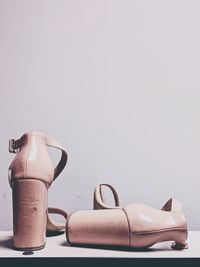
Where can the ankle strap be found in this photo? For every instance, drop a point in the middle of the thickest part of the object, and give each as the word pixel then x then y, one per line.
pixel 16 144
pixel 53 226
pixel 55 144
pixel 99 201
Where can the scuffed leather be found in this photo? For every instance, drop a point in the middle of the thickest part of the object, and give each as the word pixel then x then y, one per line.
pixel 29 213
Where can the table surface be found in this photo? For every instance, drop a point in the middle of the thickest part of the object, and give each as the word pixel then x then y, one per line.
pixel 56 246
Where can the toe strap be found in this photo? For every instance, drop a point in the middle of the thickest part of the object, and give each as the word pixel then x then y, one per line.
pixel 99 202
pixel 53 226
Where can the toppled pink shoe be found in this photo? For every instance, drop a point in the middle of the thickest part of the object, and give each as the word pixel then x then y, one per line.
pixel 136 225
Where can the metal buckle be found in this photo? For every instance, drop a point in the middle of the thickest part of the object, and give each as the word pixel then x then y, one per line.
pixel 13 145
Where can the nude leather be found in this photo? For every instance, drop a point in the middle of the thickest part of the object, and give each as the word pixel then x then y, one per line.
pixel 98 227
pixel 54 226
pixel 136 225
pixel 30 175
pixel 33 159
pixel 29 214
pixel 98 200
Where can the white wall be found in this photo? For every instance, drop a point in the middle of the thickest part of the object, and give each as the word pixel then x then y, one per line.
pixel 118 83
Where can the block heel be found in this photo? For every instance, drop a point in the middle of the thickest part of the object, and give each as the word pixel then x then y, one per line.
pixel 29 214
pixel 30 174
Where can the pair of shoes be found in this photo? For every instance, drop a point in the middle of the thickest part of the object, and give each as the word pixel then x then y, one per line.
pixel 31 173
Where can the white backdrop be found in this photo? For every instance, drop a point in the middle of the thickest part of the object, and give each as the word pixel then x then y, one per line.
pixel 118 84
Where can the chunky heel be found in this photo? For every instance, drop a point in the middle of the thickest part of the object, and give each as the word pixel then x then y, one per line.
pixel 30 175
pixel 29 214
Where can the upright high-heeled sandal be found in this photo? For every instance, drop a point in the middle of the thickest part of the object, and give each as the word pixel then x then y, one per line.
pixel 136 225
pixel 30 174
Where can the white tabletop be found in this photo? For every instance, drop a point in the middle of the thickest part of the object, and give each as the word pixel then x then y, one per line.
pixel 56 246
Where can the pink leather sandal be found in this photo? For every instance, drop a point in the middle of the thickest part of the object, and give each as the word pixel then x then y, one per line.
pixel 30 174
pixel 136 225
